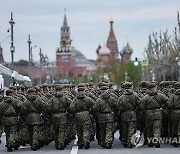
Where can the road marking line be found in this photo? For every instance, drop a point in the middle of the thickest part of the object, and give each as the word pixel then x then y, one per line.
pixel 75 147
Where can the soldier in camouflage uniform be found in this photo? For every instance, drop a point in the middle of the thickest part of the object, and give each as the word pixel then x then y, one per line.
pixel 58 107
pixel 89 93
pixel 22 127
pixel 33 108
pixel 166 123
pixel 81 107
pixel 103 108
pixel 152 105
pixel 128 103
pixel 9 111
pixel 140 117
pixel 174 105
pixel 1 122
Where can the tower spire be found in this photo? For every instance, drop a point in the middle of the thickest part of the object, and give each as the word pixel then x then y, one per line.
pixel 65 19
pixel 111 23
pixel 112 42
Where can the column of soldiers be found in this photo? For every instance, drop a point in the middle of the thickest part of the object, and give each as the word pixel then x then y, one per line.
pixel 45 113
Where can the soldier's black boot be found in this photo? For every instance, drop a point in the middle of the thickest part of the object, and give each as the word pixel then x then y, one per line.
pixel 130 145
pixel 16 147
pixel 109 145
pixel 103 145
pixel 34 148
pixel 87 145
pixel 9 149
pixel 175 144
pixel 92 138
pixel 61 147
pixel 157 145
pixel 0 141
pixel 150 144
pixel 80 146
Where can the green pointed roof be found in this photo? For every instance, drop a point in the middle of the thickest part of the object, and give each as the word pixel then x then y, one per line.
pixel 126 50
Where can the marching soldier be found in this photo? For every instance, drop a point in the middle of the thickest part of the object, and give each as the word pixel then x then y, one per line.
pixel 103 109
pixel 174 105
pixel 152 105
pixel 58 106
pixel 81 108
pixel 33 108
pixel 9 111
pixel 1 122
pixel 128 103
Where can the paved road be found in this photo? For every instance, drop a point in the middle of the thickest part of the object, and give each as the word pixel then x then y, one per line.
pixel 95 149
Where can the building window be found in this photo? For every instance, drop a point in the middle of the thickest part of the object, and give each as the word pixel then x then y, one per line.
pixel 65 58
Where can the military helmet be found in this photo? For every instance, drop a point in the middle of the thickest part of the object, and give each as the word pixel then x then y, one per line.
pixel 151 85
pixel 105 80
pixel 22 87
pixel 81 85
pixel 31 90
pixel 161 84
pixel 44 85
pixel 143 84
pixel 9 91
pixel 111 84
pixel 12 88
pixel 18 87
pixel 127 85
pixel 104 87
pixel 166 83
pixel 91 84
pixel 177 85
pixel 81 88
pixel 59 87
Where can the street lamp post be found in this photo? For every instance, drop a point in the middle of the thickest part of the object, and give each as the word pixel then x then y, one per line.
pixel 12 48
pixel 40 67
pixel 29 66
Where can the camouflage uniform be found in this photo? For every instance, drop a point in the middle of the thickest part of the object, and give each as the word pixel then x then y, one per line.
pixel 128 103
pixel 174 105
pixel 9 111
pixel 90 94
pixel 58 106
pixel 1 123
pixel 152 105
pixel 166 123
pixel 33 108
pixel 81 107
pixel 103 109
pixel 140 118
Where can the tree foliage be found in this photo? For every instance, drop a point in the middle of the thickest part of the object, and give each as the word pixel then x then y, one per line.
pixel 22 62
pixel 162 53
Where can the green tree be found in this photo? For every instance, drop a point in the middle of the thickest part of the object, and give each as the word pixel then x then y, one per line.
pixel 22 62
pixel 133 73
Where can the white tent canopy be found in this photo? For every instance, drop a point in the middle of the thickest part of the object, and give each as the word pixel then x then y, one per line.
pixel 13 74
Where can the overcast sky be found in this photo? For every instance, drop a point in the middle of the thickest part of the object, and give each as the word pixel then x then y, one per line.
pixel 89 23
